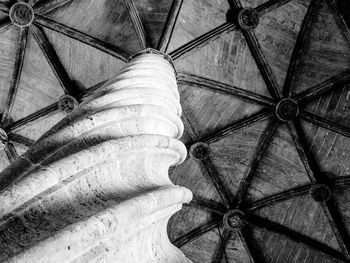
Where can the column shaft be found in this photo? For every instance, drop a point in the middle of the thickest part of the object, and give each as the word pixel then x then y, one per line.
pixel 95 187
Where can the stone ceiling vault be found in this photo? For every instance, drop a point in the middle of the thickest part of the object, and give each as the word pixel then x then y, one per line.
pixel 265 96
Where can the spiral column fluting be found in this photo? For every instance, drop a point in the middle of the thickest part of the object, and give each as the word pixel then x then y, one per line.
pixel 95 187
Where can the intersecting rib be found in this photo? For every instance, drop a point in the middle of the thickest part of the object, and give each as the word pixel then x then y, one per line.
pixel 208 165
pixel 137 23
pixel 339 19
pixel 53 60
pixel 320 89
pixel 219 134
pixel 206 205
pixel 11 152
pixel 44 7
pixel 169 26
pixel 82 37
pixel 188 78
pixel 313 172
pixel 342 181
pixel 202 40
pixel 195 233
pixel 220 250
pixel 296 236
pixel 338 227
pixel 32 117
pixel 5 24
pixel 279 197
pixel 265 70
pixel 16 75
pixel 235 4
pixel 264 142
pixel 21 139
pixel 299 142
pixel 325 123
pixel 299 46
pixel 270 6
pixel 254 255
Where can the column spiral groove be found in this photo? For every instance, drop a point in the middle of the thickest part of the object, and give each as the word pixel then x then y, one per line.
pixel 95 187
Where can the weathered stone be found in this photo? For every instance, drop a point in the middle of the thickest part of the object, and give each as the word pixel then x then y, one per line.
pixel 3 139
pixel 21 14
pixel 199 151
pixel 320 193
pixel 97 182
pixel 248 18
pixel 234 220
pixel 287 109
pixel 67 103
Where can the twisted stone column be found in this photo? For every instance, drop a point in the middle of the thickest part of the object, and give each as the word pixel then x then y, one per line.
pixel 95 188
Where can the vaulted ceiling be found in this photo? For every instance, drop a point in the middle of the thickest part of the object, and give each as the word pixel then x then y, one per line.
pixel 266 106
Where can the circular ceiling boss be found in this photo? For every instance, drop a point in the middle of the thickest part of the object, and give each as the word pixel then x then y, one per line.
pixel 248 18
pixel 21 14
pixel 287 109
pixel 234 220
pixel 199 151
pixel 321 193
pixel 67 103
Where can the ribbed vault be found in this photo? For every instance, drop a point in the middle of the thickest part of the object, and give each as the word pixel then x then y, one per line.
pixel 264 88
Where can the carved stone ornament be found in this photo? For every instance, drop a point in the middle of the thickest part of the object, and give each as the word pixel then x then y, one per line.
pixel 248 18
pixel 321 193
pixel 101 175
pixel 287 109
pixel 199 151
pixel 21 14
pixel 234 220
pixel 67 103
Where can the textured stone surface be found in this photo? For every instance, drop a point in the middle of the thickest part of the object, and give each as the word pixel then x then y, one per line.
pixel 227 59
pixel 95 187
